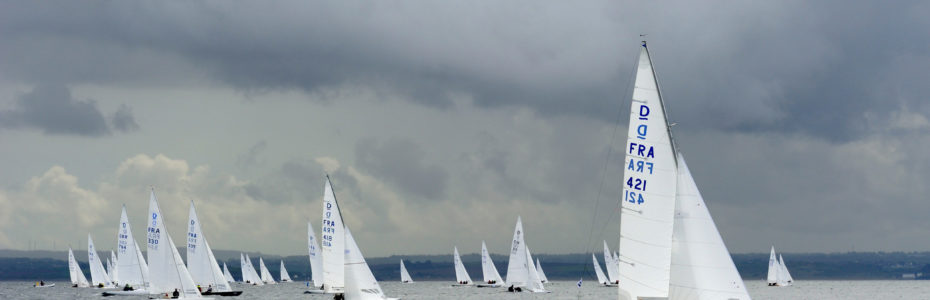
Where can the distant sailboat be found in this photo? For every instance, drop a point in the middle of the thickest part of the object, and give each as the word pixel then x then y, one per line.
pixel 669 244
pixel 284 276
pixel 200 260
pixel 600 274
pixel 111 267
pixel 316 261
pixel 519 275
pixel 77 276
pixel 492 278
pixel 130 265
pixel 784 278
pixel 167 272
pixel 229 277
pixel 254 278
pixel 532 266
pixel 789 279
pixel 98 275
pixel 772 277
pixel 404 275
pixel 266 275
pixel 610 263
pixel 461 275
pixel 539 270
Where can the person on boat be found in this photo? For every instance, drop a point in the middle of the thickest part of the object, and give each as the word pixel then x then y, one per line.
pixel 100 285
pixel 510 289
pixel 127 287
pixel 175 294
pixel 199 289
pixel 339 297
pixel 209 288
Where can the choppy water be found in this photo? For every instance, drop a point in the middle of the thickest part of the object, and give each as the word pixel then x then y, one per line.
pixel 820 290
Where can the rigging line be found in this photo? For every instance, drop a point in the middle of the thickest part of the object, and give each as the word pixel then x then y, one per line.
pixel 600 187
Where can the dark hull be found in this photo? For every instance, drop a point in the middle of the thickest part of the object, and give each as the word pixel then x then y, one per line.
pixel 224 294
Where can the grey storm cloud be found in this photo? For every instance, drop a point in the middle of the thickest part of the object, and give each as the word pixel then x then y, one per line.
pixel 52 109
pixel 400 162
pixel 123 119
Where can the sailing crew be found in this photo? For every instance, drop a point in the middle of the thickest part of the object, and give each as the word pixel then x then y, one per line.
pixel 175 294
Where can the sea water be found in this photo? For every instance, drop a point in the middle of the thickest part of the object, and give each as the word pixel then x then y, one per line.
pixel 803 289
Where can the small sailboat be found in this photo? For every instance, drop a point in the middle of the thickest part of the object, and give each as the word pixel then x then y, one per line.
pixel 784 279
pixel 167 272
pixel 130 265
pixel 266 276
pixel 521 273
pixel 74 269
pixel 111 268
pixel 613 270
pixel 788 278
pixel 491 277
pixel 461 275
pixel 600 274
pixel 248 271
pixel 404 275
pixel 202 263
pixel 772 276
pixel 229 277
pixel 316 262
pixel 98 275
pixel 284 276
pixel 539 270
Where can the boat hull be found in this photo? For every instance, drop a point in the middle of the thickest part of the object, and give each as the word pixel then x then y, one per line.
pixel 224 294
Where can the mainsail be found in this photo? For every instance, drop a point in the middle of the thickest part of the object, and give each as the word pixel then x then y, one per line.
pixel 129 263
pixel 167 272
pixel 98 275
pixel 284 276
pixel 266 275
pixel 333 242
pixel 461 275
pixel 404 275
pixel 316 259
pixel 200 260
pixel 77 276
pixel 229 277
pixel 649 189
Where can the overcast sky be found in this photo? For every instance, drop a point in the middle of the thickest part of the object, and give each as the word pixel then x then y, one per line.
pixel 804 123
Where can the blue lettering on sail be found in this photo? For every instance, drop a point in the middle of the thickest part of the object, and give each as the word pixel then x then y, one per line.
pixel 639 166
pixel 644 112
pixel 641 150
pixel 633 197
pixel 641 131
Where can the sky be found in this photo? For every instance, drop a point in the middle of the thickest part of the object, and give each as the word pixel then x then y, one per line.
pixel 805 124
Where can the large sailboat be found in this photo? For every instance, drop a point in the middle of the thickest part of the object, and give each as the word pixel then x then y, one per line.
pixel 669 244
pixel 201 263
pixel 491 277
pixel 167 273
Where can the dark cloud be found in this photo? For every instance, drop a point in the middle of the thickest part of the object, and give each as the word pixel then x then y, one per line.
pixel 250 157
pixel 401 162
pixel 52 109
pixel 123 119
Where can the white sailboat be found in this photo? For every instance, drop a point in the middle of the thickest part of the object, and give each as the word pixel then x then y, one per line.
pixel 266 275
pixel 98 276
pixel 539 270
pixel 360 282
pixel 167 272
pixel 518 267
pixel 600 274
pixel 610 263
pixel 461 275
pixel 130 265
pixel 77 276
pixel 333 243
pixel 404 275
pixel 229 277
pixel 111 267
pixel 284 276
pixel 532 266
pixel 781 260
pixel 316 261
pixel 784 278
pixel 491 277
pixel 249 269
pixel 772 277
pixel 669 245
pixel 201 262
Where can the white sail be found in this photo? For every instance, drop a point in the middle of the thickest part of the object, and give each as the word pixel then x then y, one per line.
pixel 129 263
pixel 110 269
pixel 487 267
pixel 461 275
pixel 316 258
pixel 254 278
pixel 516 265
pixel 404 275
pixel 333 242
pixel 167 272
pixel 772 277
pixel 200 260
pixel 610 263
pixel 360 283
pixel 782 272
pixel 229 277
pixel 533 283
pixel 77 276
pixel 781 260
pixel 649 189
pixel 539 271
pixel 284 276
pixel 245 266
pixel 532 265
pixel 98 275
pixel 701 265
pixel 266 275
pixel 597 270
pixel 142 264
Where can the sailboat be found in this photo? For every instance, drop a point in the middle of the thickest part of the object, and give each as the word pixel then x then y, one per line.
pixel 284 276
pixel 316 262
pixel 248 272
pixel 781 260
pixel 98 275
pixel 130 265
pixel 404 275
pixel 77 276
pixel 345 271
pixel 532 266
pixel 492 278
pixel 784 278
pixel 610 263
pixel 111 268
pixel 229 277
pixel 539 270
pixel 669 244
pixel 600 274
pixel 461 275
pixel 772 277
pixel 266 276
pixel 201 263
pixel 167 272
pixel 519 274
